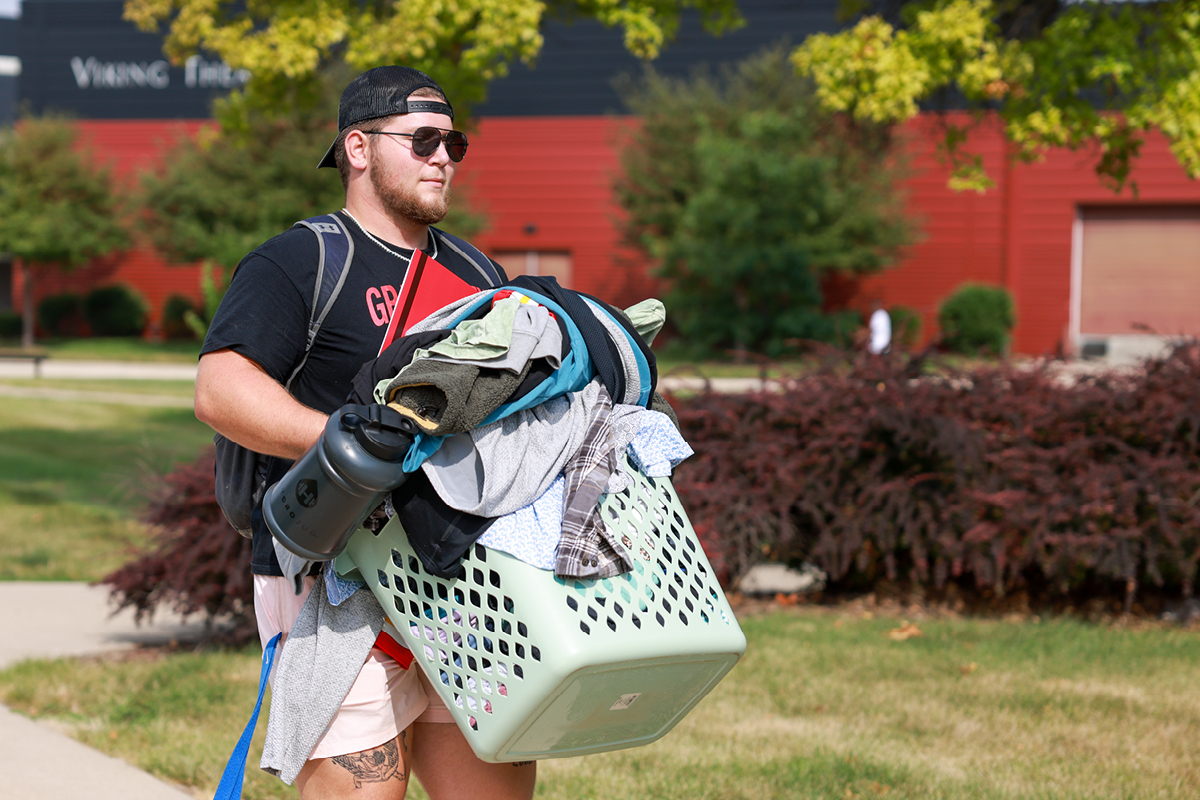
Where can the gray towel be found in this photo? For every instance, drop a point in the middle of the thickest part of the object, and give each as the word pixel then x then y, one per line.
pixel 507 464
pixel 318 663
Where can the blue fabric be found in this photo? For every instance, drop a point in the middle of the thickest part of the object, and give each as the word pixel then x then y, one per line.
pixel 230 787
pixel 338 588
pixel 574 374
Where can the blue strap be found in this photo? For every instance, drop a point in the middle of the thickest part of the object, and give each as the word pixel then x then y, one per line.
pixel 230 787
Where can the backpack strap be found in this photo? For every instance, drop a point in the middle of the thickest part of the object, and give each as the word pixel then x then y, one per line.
pixel 482 263
pixel 335 249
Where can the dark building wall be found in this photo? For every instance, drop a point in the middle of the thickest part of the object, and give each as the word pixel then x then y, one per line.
pixel 9 68
pixel 80 56
pixel 575 73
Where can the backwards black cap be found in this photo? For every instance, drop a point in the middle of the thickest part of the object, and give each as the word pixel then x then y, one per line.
pixel 383 92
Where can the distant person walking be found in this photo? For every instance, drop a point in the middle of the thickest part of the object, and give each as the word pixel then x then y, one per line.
pixel 880 329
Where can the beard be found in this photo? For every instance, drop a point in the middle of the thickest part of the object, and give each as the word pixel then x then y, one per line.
pixel 405 202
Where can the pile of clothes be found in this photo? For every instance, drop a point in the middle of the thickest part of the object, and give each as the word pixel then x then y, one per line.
pixel 528 397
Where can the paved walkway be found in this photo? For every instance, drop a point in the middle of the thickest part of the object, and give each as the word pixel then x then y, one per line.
pixel 53 369
pixel 52 620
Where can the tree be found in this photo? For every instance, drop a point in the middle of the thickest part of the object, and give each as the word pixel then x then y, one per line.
pixel 1058 74
pixel 61 209
pixel 746 194
pixel 464 43
pixel 218 196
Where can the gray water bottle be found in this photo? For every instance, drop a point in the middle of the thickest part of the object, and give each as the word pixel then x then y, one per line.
pixel 323 499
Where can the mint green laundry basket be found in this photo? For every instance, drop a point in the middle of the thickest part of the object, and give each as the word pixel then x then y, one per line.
pixel 532 666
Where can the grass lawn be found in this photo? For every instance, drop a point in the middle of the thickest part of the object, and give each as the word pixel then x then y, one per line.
pixel 73 476
pixel 826 705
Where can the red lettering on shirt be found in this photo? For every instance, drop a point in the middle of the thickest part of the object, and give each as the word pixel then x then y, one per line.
pixel 381 302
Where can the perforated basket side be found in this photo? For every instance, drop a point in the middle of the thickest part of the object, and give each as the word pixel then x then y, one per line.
pixel 672 583
pixel 466 633
pixel 499 639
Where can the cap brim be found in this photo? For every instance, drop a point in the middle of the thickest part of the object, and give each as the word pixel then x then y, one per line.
pixel 329 160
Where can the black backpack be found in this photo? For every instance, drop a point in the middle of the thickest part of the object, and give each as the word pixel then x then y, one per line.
pixel 241 474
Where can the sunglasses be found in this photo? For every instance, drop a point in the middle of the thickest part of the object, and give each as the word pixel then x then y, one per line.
pixel 425 141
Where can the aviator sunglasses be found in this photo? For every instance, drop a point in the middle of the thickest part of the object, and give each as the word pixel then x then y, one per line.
pixel 425 141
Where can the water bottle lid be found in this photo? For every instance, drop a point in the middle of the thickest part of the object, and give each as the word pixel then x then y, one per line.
pixel 383 432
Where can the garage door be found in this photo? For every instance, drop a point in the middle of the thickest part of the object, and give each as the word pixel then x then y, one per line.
pixel 1140 271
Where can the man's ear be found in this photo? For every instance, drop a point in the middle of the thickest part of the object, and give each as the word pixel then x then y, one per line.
pixel 356 145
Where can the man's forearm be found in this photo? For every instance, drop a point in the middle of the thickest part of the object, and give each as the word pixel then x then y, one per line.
pixel 240 401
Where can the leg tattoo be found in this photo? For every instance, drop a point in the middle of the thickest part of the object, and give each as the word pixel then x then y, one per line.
pixel 375 766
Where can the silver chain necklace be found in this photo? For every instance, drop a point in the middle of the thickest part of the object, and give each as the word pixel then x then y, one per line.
pixel 369 235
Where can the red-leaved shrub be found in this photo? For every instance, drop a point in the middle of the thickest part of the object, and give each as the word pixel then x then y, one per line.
pixel 197 563
pixel 1006 477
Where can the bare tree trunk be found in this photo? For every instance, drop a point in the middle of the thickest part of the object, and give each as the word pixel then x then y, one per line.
pixel 26 306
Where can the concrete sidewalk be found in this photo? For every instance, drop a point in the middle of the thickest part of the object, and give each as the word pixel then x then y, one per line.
pixel 59 369
pixel 129 370
pixel 52 620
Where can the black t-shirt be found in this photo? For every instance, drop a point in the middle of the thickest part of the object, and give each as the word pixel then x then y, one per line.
pixel 264 317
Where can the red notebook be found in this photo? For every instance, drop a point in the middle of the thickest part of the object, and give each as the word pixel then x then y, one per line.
pixel 427 287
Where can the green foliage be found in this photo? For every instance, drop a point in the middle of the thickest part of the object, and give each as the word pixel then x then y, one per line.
pixel 220 195
pixel 746 194
pixel 60 207
pixel 10 323
pixel 117 310
pixel 61 314
pixel 463 44
pixel 213 289
pixel 977 318
pixel 1076 75
pixel 174 317
pixel 906 325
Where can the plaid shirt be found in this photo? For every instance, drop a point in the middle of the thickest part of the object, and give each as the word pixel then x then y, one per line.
pixel 587 548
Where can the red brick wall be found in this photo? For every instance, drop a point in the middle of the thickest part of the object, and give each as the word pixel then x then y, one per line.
pixel 546 185
pixel 1018 234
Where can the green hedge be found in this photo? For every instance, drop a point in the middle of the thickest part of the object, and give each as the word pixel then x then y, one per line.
pixel 174 316
pixel 10 324
pixel 978 319
pixel 117 310
pixel 61 314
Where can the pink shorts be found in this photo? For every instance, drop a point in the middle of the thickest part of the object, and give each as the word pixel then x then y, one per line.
pixel 384 700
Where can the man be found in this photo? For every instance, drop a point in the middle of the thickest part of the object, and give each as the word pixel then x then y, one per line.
pixel 397 152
